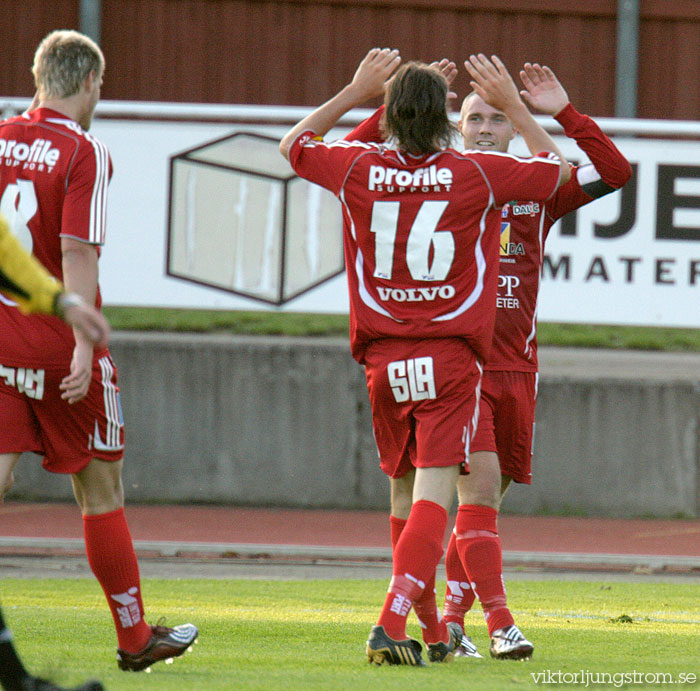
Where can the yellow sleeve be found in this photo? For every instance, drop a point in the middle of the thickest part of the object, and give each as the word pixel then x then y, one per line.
pixel 23 278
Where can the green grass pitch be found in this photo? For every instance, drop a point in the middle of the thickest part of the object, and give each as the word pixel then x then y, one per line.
pixel 310 635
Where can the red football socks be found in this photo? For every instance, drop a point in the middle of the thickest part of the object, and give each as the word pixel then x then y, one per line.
pixel 397 526
pixel 459 595
pixel 416 556
pixel 425 607
pixel 479 548
pixel 110 553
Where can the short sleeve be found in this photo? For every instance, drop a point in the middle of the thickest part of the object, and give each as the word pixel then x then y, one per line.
pixel 325 164
pixel 85 205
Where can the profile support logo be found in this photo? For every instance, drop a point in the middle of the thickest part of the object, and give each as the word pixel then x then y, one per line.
pixel 428 179
pixel 38 154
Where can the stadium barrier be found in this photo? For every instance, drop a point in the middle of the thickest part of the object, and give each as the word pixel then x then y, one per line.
pixel 286 422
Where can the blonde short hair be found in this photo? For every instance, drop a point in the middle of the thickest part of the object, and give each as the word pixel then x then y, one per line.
pixel 463 108
pixel 63 61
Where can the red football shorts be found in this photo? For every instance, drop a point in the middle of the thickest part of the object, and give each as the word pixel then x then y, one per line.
pixel 507 421
pixel 423 394
pixel 33 417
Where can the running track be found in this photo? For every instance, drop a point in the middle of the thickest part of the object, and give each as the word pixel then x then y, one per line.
pixel 210 531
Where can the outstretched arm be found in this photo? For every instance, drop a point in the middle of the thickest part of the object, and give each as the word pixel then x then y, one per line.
pixel 491 80
pixel 609 169
pixel 374 70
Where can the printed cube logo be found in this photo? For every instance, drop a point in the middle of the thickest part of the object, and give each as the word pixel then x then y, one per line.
pixel 241 221
pixel 129 612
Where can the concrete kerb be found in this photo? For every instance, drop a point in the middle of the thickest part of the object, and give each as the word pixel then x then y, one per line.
pixel 310 553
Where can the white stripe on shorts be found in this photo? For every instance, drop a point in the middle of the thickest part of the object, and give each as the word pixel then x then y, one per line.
pixel 111 403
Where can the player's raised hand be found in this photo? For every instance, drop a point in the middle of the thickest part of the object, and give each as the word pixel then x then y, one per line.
pixel 374 71
pixel 448 70
pixel 368 82
pixel 492 81
pixel 543 91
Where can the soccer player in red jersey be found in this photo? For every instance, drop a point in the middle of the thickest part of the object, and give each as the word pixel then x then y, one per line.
pixel 58 393
pixel 420 229
pixel 36 291
pixel 501 449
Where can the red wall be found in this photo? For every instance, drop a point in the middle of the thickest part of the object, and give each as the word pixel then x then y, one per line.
pixel 299 52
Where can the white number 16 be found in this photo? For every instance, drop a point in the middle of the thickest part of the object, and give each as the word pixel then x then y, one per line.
pixel 385 218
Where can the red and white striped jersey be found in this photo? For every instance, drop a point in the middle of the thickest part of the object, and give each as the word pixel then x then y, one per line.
pixel 53 183
pixel 421 234
pixel 525 225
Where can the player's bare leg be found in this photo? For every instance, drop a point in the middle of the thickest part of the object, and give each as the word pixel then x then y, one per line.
pixel 482 485
pixel 98 487
pixel 402 494
pixel 8 461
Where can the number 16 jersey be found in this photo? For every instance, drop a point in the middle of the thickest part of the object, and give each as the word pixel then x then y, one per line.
pixel 421 234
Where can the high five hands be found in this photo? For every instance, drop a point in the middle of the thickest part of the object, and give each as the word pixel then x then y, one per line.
pixel 543 92
pixel 492 81
pixel 489 78
pixel 375 71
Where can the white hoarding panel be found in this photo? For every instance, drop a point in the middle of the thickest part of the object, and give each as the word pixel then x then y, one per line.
pixel 632 257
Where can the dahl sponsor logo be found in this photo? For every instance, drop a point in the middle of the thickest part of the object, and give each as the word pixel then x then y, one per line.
pixel 529 208
pixel 38 155
pixel 430 179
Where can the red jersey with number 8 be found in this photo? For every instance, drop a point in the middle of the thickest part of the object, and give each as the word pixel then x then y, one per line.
pixel 53 183
pixel 421 235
